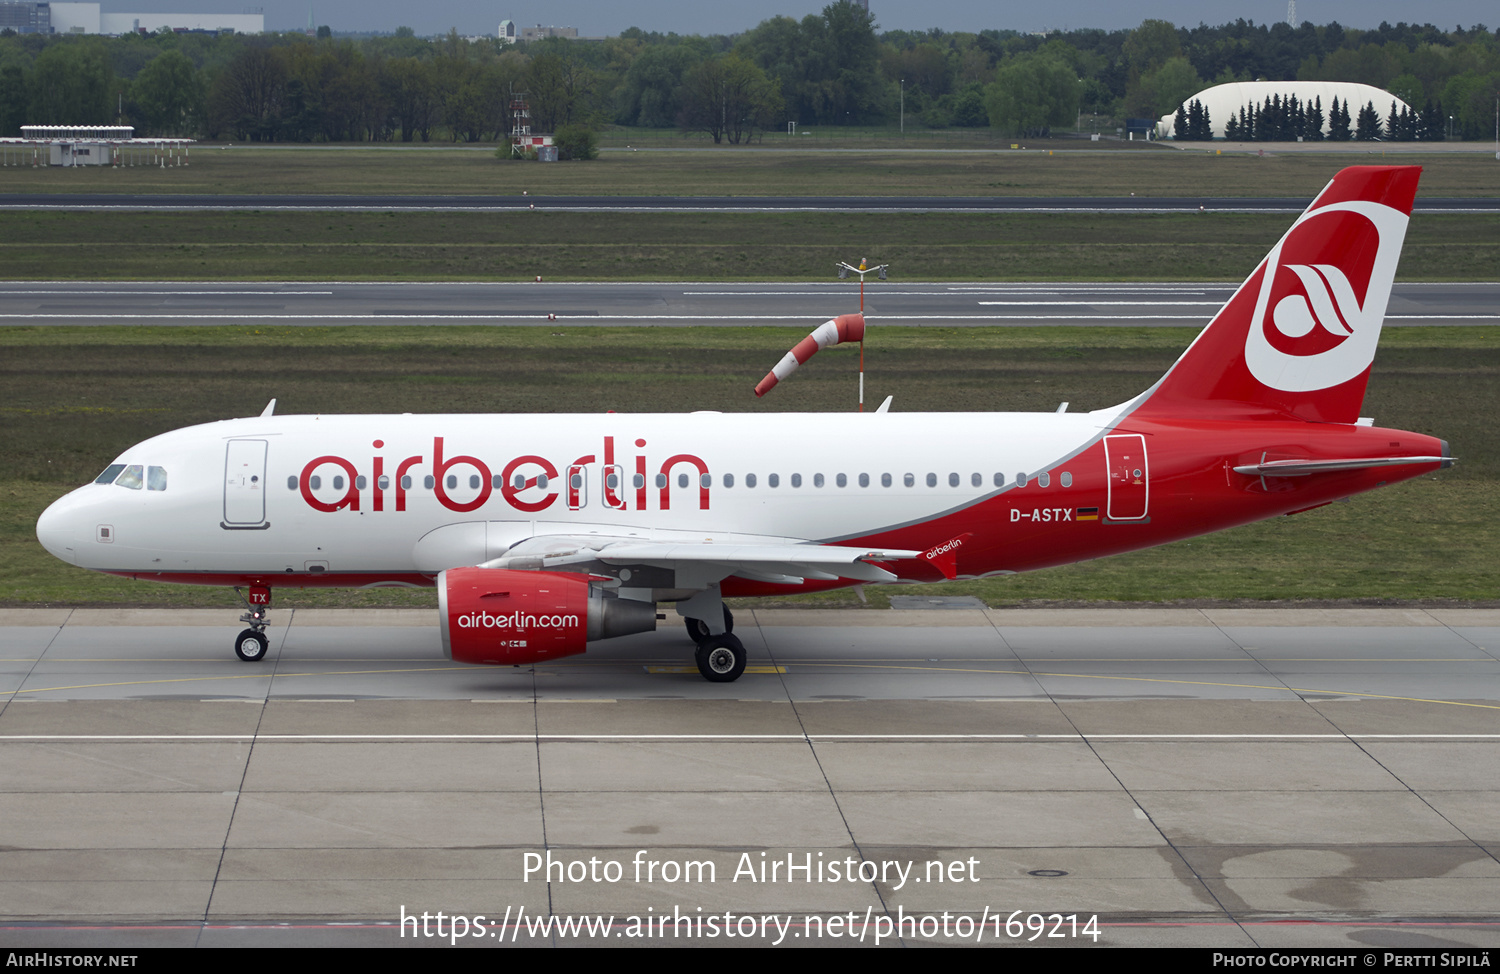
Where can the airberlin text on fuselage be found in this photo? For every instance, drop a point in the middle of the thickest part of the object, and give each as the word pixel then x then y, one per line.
pixel 516 620
pixel 527 483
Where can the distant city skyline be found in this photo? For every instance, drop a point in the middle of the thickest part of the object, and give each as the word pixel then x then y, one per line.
pixel 609 17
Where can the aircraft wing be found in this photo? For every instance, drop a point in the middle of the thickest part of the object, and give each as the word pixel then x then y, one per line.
pixel 776 560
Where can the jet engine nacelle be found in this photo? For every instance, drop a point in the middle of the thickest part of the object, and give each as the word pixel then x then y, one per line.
pixel 501 616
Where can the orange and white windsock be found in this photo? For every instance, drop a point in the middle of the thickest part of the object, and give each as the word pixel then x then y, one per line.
pixel 844 328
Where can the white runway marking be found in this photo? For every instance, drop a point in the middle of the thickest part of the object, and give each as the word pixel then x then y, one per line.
pixel 740 737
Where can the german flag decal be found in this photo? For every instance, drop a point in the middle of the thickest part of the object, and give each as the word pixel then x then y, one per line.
pixel 1086 514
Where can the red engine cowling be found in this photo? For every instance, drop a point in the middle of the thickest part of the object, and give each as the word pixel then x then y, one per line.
pixel 500 616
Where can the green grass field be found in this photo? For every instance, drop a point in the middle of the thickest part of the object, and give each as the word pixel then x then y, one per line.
pixel 752 171
pixel 274 245
pixel 78 396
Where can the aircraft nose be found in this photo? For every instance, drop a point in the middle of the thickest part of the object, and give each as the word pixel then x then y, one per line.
pixel 57 529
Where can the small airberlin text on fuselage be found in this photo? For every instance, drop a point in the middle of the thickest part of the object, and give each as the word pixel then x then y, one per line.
pixel 527 483
pixel 518 621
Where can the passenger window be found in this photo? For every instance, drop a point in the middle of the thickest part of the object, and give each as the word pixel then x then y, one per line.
pixel 638 480
pixel 932 480
pixel 291 483
pixel 428 482
pixel 338 483
pixel 452 481
pixel 131 477
pixel 977 480
pixel 1066 479
pixel 661 481
pixel 1043 480
pixel 359 482
pixel 749 480
pixel 864 480
pixel 384 483
pixel 910 480
pixel 682 480
pixel 773 480
pixel 1020 480
pixel 110 473
pixel 796 480
pixel 541 481
pixel 841 480
pixel 705 480
pixel 315 482
pixel 497 481
pixel 406 482
pixel 999 480
pixel 156 478
pixel 885 480
pixel 729 480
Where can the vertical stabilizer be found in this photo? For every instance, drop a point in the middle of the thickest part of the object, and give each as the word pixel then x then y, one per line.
pixel 1297 339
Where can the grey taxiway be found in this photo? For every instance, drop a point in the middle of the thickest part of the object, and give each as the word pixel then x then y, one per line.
pixel 94 202
pixel 559 304
pixel 1214 777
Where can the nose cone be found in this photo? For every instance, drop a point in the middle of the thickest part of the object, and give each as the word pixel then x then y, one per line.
pixel 57 528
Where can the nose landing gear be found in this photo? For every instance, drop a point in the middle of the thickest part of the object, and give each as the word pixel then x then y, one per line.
pixel 251 644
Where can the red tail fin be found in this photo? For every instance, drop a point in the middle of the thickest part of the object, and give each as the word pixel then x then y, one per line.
pixel 1298 337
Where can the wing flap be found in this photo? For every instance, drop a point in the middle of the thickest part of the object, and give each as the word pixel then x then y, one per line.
pixel 786 563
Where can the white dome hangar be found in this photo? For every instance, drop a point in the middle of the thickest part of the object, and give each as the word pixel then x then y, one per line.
pixel 1225 100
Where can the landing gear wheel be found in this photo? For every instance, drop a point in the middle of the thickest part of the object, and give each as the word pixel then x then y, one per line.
pixel 251 646
pixel 721 659
pixel 698 632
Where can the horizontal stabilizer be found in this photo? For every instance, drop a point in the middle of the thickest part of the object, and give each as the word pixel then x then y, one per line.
pixel 1302 468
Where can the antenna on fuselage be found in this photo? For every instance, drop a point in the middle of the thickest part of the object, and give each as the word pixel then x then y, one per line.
pixel 270 409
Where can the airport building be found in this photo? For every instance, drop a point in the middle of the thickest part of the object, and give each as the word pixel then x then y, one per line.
pixel 90 145
pixel 509 33
pixel 33 17
pixel 538 32
pixel 1224 101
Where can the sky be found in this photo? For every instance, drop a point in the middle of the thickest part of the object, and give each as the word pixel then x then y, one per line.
pixel 595 18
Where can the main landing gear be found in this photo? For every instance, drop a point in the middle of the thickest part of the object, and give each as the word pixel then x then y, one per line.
pixel 251 644
pixel 721 658
pixel 697 629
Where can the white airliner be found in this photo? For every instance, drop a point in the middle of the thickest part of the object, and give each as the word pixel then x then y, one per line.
pixel 542 532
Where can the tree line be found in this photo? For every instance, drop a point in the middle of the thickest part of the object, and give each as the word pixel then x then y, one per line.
pixel 830 68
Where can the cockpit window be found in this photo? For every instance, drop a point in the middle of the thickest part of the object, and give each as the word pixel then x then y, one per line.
pixel 156 478
pixel 131 477
pixel 110 473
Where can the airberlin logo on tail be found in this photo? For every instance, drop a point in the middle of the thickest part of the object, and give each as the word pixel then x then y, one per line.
pixel 1322 299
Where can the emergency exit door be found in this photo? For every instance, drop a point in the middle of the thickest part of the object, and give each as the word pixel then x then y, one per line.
pixel 1129 477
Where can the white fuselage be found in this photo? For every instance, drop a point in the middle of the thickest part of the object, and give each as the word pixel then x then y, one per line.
pixel 409 493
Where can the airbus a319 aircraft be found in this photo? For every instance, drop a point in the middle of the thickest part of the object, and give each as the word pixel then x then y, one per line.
pixel 544 532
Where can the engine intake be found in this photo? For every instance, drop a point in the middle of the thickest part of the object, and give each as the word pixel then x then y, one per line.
pixel 506 617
